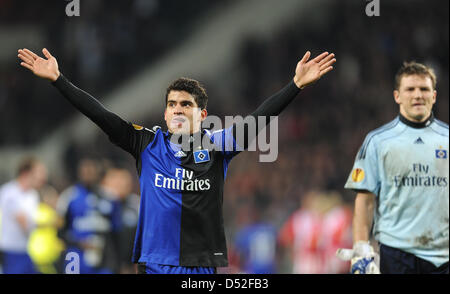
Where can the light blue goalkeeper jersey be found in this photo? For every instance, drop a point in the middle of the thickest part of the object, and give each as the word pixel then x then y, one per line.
pixel 406 166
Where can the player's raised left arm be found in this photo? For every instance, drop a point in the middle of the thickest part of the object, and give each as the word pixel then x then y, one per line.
pixel 306 73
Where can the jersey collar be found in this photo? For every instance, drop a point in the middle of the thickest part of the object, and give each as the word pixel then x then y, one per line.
pixel 417 125
pixel 176 140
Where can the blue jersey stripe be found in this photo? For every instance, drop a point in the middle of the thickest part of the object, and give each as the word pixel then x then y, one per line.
pixel 441 123
pixel 394 136
pixel 440 132
pixel 158 232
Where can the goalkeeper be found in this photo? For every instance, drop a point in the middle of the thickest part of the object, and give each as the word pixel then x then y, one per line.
pixel 180 228
pixel 401 178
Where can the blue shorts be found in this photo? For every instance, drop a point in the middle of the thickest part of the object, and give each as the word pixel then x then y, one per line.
pixel 17 263
pixel 395 261
pixel 153 268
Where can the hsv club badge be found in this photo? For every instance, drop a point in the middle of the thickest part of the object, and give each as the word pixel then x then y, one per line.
pixel 201 156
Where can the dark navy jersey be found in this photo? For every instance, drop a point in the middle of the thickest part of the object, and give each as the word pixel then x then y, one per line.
pixel 180 217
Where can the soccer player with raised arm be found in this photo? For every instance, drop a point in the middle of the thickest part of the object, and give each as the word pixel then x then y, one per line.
pixel 401 178
pixel 180 227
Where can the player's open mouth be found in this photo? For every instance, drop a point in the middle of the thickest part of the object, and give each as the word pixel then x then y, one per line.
pixel 178 119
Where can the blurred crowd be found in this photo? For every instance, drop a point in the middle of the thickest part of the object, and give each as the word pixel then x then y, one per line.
pixel 288 216
pixel 95 219
pixel 114 41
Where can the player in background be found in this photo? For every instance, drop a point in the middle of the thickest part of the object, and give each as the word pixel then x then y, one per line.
pixel 44 245
pixel 180 227
pixel 19 202
pixel 255 243
pixel 118 183
pixel 91 221
pixel 336 232
pixel 313 233
pixel 400 175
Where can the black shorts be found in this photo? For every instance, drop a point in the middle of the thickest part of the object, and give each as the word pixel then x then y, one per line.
pixel 395 261
pixel 141 268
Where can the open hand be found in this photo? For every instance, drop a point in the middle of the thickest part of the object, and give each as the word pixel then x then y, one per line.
pixel 44 68
pixel 308 72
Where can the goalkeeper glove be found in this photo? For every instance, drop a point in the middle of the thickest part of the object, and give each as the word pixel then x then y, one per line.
pixel 364 260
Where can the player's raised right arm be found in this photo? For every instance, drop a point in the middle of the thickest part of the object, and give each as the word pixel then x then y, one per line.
pixel 115 127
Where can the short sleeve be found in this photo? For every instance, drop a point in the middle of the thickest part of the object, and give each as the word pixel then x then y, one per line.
pixel 364 174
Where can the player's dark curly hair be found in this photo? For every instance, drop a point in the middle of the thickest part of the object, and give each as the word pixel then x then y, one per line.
pixel 191 86
pixel 414 68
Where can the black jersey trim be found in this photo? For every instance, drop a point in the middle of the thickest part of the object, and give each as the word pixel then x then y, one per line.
pixel 417 125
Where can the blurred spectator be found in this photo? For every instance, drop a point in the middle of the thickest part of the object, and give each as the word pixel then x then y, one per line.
pixel 118 182
pixel 336 232
pixel 315 231
pixel 91 222
pixel 19 203
pixel 255 245
pixel 44 246
pixel 300 236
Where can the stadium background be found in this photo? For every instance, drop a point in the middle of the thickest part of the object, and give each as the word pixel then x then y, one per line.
pixel 127 52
